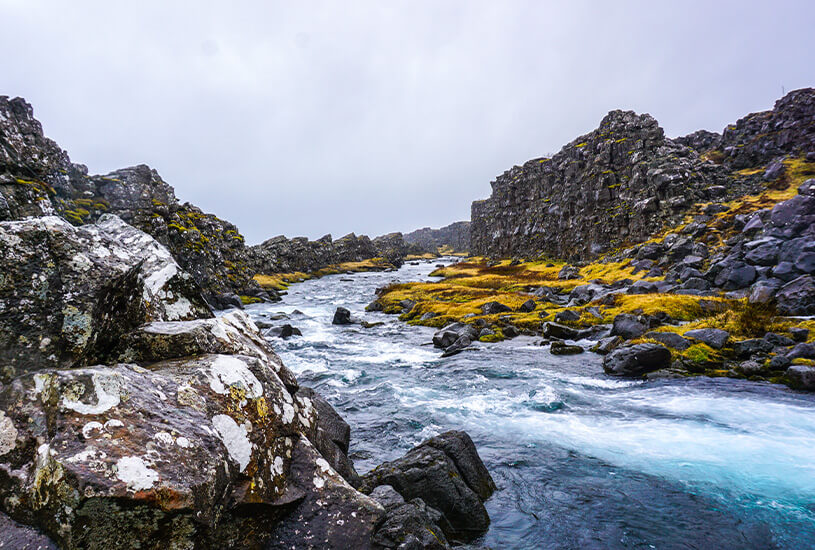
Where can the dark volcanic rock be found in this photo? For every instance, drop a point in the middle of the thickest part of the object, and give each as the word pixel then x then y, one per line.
pixel 561 348
pixel 713 337
pixel 555 330
pixel 491 308
pixel 624 180
pixel 456 236
pixel 628 326
pixel 797 297
pixel 670 339
pixel 342 316
pixel 802 377
pixel 636 360
pixel 447 474
pixel 447 336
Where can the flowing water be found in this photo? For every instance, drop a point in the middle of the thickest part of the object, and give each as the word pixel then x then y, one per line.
pixel 581 460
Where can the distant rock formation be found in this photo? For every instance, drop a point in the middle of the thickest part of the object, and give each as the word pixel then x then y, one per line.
pixel 37 178
pixel 624 181
pixel 455 236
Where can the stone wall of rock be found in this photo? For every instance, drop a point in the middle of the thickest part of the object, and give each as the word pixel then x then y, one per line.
pixel 455 236
pixel 37 178
pixel 624 181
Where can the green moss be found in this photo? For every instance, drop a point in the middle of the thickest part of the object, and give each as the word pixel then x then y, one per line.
pixel 250 300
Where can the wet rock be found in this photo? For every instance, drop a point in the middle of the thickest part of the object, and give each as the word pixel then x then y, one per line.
pixel 429 315
pixel 492 308
pixel 801 377
pixel 797 297
pixel 713 337
pixel 527 306
pixel 342 316
pixel 510 331
pixel 410 525
pixel 447 474
pixel 555 330
pixel 448 335
pixel 461 343
pixel 670 339
pixel 283 332
pixel 224 300
pixel 486 332
pixel 636 360
pixel 606 345
pixel 628 326
pixel 808 187
pixel 561 348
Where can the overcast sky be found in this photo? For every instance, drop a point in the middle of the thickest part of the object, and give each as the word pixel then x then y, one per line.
pixel 305 118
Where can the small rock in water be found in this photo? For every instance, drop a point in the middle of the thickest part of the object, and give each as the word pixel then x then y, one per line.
pixel 342 316
pixel 637 360
pixel 562 348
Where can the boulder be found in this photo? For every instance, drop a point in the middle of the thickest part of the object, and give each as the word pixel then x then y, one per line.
pixel 555 330
pixel 528 306
pixel 561 348
pixel 70 293
pixel 447 474
pixel 407 524
pixel 799 334
pixel 628 326
pixel 747 348
pixel 461 343
pixel 636 360
pixel 568 272
pixel 283 331
pixel 751 368
pixel 801 377
pixel 492 308
pixel 448 335
pixel 606 345
pixel 670 339
pixel 713 337
pixel 778 339
pixel 342 316
pixel 797 297
pixel 567 316
pixel 802 351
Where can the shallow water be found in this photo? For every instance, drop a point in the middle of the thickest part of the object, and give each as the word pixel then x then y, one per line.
pixel 582 460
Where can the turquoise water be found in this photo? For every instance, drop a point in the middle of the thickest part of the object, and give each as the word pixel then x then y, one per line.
pixel 582 460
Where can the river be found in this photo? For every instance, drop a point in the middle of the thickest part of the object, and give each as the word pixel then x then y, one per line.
pixel 581 459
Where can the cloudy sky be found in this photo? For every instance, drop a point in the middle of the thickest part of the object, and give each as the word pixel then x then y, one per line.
pixel 305 118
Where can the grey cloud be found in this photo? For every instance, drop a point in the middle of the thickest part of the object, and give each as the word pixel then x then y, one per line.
pixel 314 117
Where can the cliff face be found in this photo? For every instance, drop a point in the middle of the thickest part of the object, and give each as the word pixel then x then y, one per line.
pixel 37 178
pixel 455 236
pixel 625 180
pixel 282 255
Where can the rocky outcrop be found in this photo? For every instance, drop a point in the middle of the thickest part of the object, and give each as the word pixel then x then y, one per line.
pixel 37 178
pixel 446 473
pixel 625 181
pixel 282 255
pixel 131 417
pixel 455 237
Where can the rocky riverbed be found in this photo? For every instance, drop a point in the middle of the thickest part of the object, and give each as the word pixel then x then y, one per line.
pixel 581 459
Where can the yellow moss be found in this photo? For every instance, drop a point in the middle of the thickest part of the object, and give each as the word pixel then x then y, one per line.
pixel 250 300
pixel 425 256
pixel 681 307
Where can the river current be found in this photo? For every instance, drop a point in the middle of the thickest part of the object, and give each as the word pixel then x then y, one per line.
pixel 581 459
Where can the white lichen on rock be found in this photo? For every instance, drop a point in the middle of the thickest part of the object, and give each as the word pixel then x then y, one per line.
pixel 135 473
pixel 226 371
pixel 234 438
pixel 8 434
pixel 106 387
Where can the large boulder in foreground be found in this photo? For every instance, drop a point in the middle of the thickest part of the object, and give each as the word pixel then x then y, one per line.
pixel 636 360
pixel 69 293
pixel 447 474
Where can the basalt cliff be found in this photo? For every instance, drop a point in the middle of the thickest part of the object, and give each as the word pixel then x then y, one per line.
pixel 625 181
